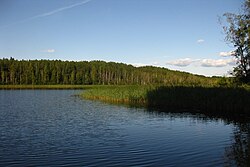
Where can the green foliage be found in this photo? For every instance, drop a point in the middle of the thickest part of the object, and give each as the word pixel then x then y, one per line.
pixel 227 82
pixel 238 33
pixel 207 100
pixel 49 72
pixel 118 94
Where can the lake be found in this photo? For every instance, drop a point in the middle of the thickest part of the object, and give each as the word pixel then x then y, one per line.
pixel 56 128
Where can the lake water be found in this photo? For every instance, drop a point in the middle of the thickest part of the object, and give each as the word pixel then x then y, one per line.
pixel 55 128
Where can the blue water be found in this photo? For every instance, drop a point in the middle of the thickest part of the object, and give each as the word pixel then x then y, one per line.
pixel 55 128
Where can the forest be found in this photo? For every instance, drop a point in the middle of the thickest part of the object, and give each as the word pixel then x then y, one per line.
pixel 57 72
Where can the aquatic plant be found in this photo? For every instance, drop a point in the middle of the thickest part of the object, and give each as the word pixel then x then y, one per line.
pixel 207 100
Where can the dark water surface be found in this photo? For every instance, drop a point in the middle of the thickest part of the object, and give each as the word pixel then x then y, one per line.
pixel 54 128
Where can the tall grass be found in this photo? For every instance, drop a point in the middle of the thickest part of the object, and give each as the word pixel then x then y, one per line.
pixel 207 100
pixel 119 94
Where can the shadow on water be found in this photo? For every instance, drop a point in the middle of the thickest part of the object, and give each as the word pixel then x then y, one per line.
pixel 223 102
pixel 238 153
pixel 229 104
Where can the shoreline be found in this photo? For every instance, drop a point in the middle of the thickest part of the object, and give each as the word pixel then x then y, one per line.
pixel 12 87
pixel 211 101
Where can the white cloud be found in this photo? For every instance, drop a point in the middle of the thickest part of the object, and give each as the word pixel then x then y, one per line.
pixel 217 62
pixel 203 62
pixel 49 51
pixel 181 62
pixel 232 62
pixel 200 40
pixel 139 64
pixel 225 54
pixel 156 63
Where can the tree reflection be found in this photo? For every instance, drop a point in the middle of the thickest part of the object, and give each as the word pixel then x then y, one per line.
pixel 238 154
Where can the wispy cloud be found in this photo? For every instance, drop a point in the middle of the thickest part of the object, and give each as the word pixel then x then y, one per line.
pixel 225 54
pixel 200 41
pixel 181 62
pixel 60 9
pixel 49 50
pixel 47 13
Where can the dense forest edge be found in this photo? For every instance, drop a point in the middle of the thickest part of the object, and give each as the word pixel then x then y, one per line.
pixel 149 87
pixel 56 72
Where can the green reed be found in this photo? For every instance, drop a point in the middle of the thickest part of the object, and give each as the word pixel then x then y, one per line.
pixel 207 100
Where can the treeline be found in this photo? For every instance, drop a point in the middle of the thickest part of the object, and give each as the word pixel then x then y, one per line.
pixel 50 72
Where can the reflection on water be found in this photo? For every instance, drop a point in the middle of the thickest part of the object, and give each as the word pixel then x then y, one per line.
pixel 238 154
pixel 54 128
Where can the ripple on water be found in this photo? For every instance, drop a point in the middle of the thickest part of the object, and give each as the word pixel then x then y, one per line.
pixel 53 128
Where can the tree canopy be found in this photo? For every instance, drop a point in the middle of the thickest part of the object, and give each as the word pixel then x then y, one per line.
pixel 47 72
pixel 238 33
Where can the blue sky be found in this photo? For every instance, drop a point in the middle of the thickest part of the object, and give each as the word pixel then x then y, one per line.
pixel 181 35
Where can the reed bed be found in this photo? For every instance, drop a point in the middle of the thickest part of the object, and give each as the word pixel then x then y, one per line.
pixel 207 100
pixel 132 94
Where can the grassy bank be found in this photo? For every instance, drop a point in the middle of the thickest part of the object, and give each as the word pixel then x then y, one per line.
pixel 207 100
pixel 45 86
